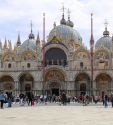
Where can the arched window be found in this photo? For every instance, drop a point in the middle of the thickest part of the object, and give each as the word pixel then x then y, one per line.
pixel 28 65
pixel 9 65
pixel 55 56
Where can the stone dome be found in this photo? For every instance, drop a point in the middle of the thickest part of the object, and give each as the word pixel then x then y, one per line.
pixel 65 33
pixel 105 41
pixel 29 43
pixel 70 23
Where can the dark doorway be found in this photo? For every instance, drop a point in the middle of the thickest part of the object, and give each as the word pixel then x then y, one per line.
pixel 55 92
pixel 27 87
pixel 83 88
pixel 103 94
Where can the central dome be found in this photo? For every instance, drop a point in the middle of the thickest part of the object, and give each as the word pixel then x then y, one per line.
pixel 65 34
pixel 29 43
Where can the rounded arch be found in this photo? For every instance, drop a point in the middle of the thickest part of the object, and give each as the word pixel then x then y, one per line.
pixel 82 73
pixel 82 84
pixel 26 81
pixel 107 73
pixel 103 76
pixel 103 84
pixel 55 56
pixel 53 72
pixel 22 73
pixel 60 46
pixel 54 81
pixel 7 83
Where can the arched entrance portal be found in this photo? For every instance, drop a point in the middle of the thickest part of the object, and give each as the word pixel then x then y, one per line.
pixel 82 84
pixel 26 82
pixel 55 56
pixel 54 82
pixel 103 84
pixel 7 83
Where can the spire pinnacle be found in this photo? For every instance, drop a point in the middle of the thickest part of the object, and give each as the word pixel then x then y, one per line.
pixel 106 24
pixel 31 35
pixel 18 40
pixel 63 21
pixel 5 44
pixel 68 14
pixel 69 22
pixel 63 8
pixel 54 25
pixel 38 39
pixel 9 44
pixel 43 28
pixel 31 26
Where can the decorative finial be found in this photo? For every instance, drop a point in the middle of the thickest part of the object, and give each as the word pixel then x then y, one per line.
pixel 54 25
pixel 69 22
pixel 31 35
pixel 68 14
pixel 106 32
pixel 106 24
pixel 43 14
pixel 31 26
pixel 38 39
pixel 63 8
pixel 18 40
pixel 63 21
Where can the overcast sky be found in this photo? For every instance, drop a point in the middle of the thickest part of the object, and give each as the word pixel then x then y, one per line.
pixel 15 16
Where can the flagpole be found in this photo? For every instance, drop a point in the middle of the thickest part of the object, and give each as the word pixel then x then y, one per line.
pixel 91 52
pixel 43 49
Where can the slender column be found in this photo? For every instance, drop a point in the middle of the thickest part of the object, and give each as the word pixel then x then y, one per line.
pixel 17 85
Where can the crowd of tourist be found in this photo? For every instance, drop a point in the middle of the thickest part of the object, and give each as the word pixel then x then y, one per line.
pixel 63 99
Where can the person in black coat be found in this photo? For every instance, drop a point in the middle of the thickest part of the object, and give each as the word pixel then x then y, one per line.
pixel 112 100
pixel 106 101
pixel 64 98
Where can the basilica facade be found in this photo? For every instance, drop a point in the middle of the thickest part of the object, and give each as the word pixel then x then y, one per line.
pixel 62 63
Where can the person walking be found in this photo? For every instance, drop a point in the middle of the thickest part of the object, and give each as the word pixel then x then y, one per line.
pixel 9 99
pixel 64 98
pixel 106 101
pixel 2 99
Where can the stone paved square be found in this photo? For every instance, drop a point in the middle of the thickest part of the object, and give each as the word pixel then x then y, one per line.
pixel 57 115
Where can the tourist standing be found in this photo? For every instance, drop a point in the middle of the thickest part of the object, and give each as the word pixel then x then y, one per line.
pixel 9 99
pixel 106 101
pixel 64 98
pixel 2 99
